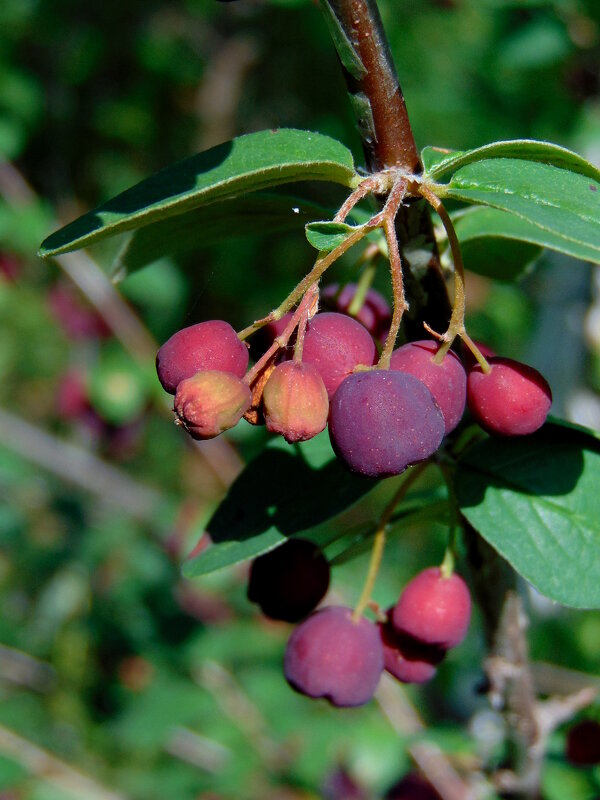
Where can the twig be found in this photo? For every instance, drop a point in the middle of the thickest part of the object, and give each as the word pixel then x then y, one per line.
pixel 78 466
pixel 47 767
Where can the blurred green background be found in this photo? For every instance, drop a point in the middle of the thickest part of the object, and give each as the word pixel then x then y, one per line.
pixel 118 679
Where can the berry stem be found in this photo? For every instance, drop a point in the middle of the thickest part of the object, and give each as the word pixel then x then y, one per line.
pixel 449 561
pixel 379 539
pixel 362 287
pixel 389 212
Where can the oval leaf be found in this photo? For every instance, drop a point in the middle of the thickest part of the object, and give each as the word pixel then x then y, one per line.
pixel 437 162
pixel 496 244
pixel 284 491
pixel 560 202
pixel 246 164
pixel 537 501
pixel 326 236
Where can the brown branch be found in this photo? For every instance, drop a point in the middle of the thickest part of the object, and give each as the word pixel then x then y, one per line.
pixel 384 126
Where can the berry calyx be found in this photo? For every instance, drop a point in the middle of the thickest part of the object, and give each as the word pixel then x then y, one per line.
pixel 512 399
pixel 330 655
pixel 211 345
pixel 447 381
pixel 211 402
pixel 295 402
pixel 434 609
pixel 382 421
pixel 336 344
pixel 290 581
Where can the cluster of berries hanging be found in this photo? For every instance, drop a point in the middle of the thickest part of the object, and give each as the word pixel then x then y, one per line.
pixel 328 360
pixel 380 420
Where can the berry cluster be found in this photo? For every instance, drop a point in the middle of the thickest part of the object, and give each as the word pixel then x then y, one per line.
pixel 380 420
pixel 333 654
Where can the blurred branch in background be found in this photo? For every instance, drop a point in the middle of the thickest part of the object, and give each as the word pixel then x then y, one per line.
pixel 79 466
pixel 41 764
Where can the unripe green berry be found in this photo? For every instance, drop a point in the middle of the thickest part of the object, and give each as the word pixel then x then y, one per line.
pixel 295 401
pixel 210 402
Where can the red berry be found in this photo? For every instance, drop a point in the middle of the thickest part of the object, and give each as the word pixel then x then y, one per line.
pixel 382 421
pixel 408 660
pixel 295 401
pixel 447 381
pixel 335 344
pixel 433 609
pixel 211 345
pixel 290 581
pixel 513 399
pixel 331 656
pixel 210 402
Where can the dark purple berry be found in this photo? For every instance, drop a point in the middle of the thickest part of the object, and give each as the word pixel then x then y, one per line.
pixel 211 345
pixel 583 743
pixel 382 421
pixel 331 656
pixel 290 581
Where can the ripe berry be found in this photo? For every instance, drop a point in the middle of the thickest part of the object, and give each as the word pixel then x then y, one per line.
pixel 433 609
pixel 447 381
pixel 513 399
pixel 210 402
pixel 382 421
pixel 408 660
pixel 295 401
pixel 375 313
pixel 331 656
pixel 290 581
pixel 335 344
pixel 583 743
pixel 211 345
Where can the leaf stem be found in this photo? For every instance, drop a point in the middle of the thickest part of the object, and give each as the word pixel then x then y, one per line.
pixel 379 539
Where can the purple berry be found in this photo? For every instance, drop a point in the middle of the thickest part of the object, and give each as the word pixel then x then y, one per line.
pixel 331 656
pixel 433 609
pixel 211 345
pixel 335 344
pixel 512 399
pixel 447 381
pixel 408 660
pixel 290 581
pixel 382 421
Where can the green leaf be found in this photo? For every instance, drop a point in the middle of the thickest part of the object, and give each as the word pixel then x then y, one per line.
pixel 326 235
pixel 286 490
pixel 246 164
pixel 257 213
pixel 560 202
pixel 345 49
pixel 537 501
pixel 499 245
pixel 437 162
